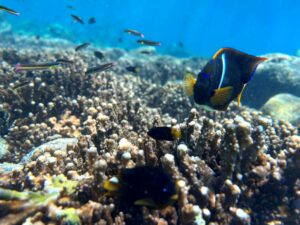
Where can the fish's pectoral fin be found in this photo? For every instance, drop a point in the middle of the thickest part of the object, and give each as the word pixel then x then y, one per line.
pixel 189 82
pixel 240 95
pixel 221 97
pixel 146 202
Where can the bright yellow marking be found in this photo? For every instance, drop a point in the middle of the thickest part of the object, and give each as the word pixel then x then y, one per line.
pixel 189 82
pixel 240 95
pixel 176 133
pixel 218 52
pixel 221 96
pixel 109 186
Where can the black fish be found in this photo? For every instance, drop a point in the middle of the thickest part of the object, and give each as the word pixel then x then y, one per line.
pixel 146 52
pixel 92 20
pixel 133 69
pixel 134 32
pixel 148 42
pixel 3 8
pixel 99 54
pixel 99 68
pixel 82 46
pixel 77 19
pixel 223 78
pixel 165 133
pixel 64 61
pixel 145 186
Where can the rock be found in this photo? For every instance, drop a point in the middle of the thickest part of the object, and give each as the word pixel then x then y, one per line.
pixel 55 145
pixel 9 167
pixel 283 107
pixel 3 148
pixel 279 74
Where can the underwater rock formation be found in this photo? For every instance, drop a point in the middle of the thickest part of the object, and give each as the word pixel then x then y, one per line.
pixel 233 167
pixel 279 74
pixel 283 107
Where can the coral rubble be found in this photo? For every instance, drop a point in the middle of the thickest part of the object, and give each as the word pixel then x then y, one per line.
pixel 70 132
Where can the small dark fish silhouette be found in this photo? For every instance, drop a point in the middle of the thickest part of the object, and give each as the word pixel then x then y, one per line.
pixel 134 32
pixel 148 42
pixel 99 54
pixel 64 61
pixel 100 68
pixel 82 46
pixel 143 186
pixel 120 40
pixel 70 7
pixel 133 69
pixel 77 19
pixel 165 133
pixel 146 52
pixel 92 20
pixel 222 79
pixel 3 8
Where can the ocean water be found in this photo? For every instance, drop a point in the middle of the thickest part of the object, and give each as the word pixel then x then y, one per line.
pixel 117 132
pixel 203 26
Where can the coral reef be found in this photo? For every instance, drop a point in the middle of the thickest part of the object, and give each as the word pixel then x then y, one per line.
pixel 283 107
pixel 70 132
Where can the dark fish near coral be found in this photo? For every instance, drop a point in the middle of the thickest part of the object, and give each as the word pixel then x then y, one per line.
pixel 38 66
pixel 70 7
pixel 99 54
pixel 145 186
pixel 133 69
pixel 3 8
pixel 64 61
pixel 165 133
pixel 146 52
pixel 134 32
pixel 77 19
pixel 222 79
pixel 100 68
pixel 148 42
pixel 92 20
pixel 82 46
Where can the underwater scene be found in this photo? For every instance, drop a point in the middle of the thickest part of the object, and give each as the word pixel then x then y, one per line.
pixel 154 112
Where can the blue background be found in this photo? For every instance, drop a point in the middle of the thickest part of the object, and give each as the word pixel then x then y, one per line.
pixel 203 26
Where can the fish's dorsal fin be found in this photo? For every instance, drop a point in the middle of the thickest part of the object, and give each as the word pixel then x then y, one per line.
pixel 219 52
pixel 221 97
pixel 240 95
pixel 189 83
pixel 249 67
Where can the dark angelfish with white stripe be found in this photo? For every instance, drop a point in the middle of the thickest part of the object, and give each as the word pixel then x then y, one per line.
pixel 222 79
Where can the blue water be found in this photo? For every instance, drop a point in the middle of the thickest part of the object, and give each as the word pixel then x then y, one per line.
pixel 203 26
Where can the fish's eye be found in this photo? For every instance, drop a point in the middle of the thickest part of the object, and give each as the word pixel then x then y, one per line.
pixel 165 189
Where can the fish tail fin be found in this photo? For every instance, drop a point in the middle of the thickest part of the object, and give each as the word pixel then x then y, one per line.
pixel 189 83
pixel 112 186
pixel 176 132
pixel 17 67
pixel 249 67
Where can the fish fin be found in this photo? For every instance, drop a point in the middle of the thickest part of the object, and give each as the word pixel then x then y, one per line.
pixel 249 67
pixel 189 83
pixel 240 95
pixel 174 197
pixel 146 202
pixel 176 132
pixel 221 97
pixel 219 52
pixel 111 186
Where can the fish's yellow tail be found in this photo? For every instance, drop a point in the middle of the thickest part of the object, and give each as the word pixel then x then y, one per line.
pixel 189 82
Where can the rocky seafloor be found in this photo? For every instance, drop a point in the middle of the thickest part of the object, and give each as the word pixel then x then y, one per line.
pixel 65 133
